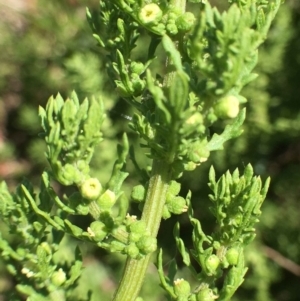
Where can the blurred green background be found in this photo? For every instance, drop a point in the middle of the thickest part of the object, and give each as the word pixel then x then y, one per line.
pixel 46 47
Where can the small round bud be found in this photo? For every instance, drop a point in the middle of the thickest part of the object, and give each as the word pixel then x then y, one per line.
pixel 172 29
pixel 174 12
pixel 181 288
pixel 91 189
pixel 190 166
pixel 185 22
pixel 58 277
pixel 116 246
pixel 206 294
pixel 150 14
pixel 138 84
pixel 232 256
pixel 174 188
pixel 46 247
pixel 138 227
pixel 227 107
pixel 97 230
pixel 212 262
pixel 166 213
pixel 83 166
pixel 198 152
pixel 137 230
pixel 107 200
pixel 67 174
pixel 177 205
pixel 147 244
pixel 137 67
pixel 134 237
pixel 132 250
pixel 196 118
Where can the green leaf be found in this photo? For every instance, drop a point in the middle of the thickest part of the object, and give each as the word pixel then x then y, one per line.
pixel 171 50
pixel 178 93
pixel 231 131
pixel 76 268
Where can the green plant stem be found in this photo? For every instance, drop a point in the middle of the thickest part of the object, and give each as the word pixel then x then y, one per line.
pixel 94 210
pixel 135 270
pixel 168 78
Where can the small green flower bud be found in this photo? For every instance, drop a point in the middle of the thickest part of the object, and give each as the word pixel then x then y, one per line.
pixel 83 166
pixel 137 230
pixel 107 200
pixel 177 205
pixel 11 269
pixel 174 188
pixel 147 244
pixel 198 152
pixel 97 230
pixel 22 252
pixel 134 237
pixel 173 16
pixel 58 277
pixel 174 12
pixel 137 67
pixel 138 227
pixel 212 262
pixel 150 14
pixel 206 294
pixel 181 288
pixel 82 209
pixel 166 213
pixel 190 166
pixel 196 118
pixel 232 256
pixel 66 175
pixel 91 189
pixel 116 246
pixel 227 107
pixel 185 22
pixel 46 247
pixel 132 250
pixel 138 85
pixel 172 29
pixel 159 28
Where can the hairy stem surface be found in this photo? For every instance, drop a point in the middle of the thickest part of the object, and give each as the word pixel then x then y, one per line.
pixel 135 270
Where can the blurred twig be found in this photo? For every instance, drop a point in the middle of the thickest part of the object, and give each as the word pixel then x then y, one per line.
pixel 282 261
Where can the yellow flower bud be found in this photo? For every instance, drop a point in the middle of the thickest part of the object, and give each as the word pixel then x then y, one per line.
pixel 227 107
pixel 107 200
pixel 58 277
pixel 212 263
pixel 91 189
pixel 150 14
pixel 181 288
pixel 185 22
pixel 232 256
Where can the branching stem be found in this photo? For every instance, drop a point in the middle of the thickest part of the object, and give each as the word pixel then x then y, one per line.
pixel 135 270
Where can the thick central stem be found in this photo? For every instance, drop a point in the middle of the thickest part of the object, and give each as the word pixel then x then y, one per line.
pixel 135 270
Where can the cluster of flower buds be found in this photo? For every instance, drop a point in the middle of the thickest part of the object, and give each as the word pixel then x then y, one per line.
pixel 174 204
pixel 172 21
pixel 91 190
